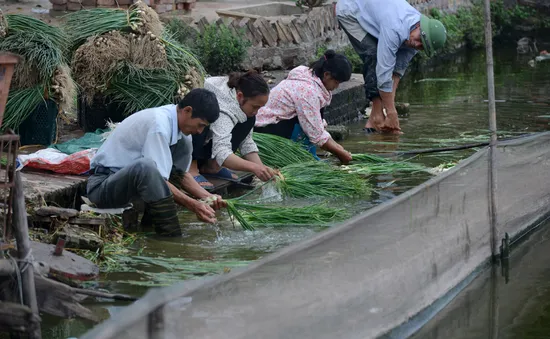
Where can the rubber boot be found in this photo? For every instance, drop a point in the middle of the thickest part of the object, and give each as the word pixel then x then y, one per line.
pixel 146 221
pixel 163 216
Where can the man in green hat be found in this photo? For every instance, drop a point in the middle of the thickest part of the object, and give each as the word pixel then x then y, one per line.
pixel 387 34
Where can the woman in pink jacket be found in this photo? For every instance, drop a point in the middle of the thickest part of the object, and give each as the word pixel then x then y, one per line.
pixel 294 108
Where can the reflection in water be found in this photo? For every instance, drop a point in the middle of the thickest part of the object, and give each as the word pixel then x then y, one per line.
pixel 441 114
pixel 493 306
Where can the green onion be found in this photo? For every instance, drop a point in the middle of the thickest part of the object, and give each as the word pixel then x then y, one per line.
pixel 30 25
pixel 21 103
pixel 248 214
pixel 278 152
pixel 317 178
pixel 138 89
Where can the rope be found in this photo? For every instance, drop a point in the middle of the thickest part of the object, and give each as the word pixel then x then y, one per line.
pixel 19 280
pixel 29 259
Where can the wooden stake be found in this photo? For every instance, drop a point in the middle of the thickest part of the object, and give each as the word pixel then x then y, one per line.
pixel 494 299
pixel 21 231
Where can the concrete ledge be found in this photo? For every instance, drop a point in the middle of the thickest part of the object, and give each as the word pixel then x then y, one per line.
pixel 348 102
pixel 61 190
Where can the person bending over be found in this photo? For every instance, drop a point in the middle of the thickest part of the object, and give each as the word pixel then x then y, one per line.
pixel 240 96
pixel 387 34
pixel 138 157
pixel 294 109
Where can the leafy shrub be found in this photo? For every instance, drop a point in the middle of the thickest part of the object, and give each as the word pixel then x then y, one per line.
pixel 349 52
pixel 182 32
pixel 219 50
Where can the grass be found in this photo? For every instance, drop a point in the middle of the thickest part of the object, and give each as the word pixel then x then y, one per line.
pixel 175 269
pixel 278 152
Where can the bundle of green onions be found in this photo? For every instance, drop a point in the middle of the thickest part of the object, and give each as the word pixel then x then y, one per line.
pixel 382 168
pixel 28 24
pixel 85 23
pixel 317 178
pixel 368 158
pixel 278 152
pixel 42 73
pixel 250 215
pixel 128 56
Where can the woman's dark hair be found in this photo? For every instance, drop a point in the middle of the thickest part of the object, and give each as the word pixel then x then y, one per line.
pixel 251 84
pixel 336 64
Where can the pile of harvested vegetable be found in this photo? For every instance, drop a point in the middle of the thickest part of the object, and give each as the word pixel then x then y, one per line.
pixel 42 72
pixel 128 57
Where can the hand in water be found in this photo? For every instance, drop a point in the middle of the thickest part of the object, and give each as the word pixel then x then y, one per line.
pixel 219 203
pixel 391 124
pixel 205 213
pixel 376 122
pixel 264 173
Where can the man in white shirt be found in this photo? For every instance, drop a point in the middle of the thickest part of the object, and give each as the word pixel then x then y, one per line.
pixel 387 34
pixel 137 160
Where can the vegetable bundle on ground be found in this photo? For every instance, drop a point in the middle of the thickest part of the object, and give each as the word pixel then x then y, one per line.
pixel 42 72
pixel 128 57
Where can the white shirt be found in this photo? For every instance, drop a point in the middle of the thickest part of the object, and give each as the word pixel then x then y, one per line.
pixel 389 21
pixel 144 134
pixel 230 115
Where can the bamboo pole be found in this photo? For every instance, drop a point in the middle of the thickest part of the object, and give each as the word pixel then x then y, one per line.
pixel 492 126
pixel 21 231
pixel 494 299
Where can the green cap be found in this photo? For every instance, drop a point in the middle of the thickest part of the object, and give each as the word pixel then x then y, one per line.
pixel 432 33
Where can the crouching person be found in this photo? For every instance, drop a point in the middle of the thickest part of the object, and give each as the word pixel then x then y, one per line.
pixel 137 159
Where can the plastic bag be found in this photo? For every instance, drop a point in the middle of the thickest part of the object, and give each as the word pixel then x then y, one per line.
pixel 53 160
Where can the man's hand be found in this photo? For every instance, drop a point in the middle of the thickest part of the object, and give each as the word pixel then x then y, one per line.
pixel 376 121
pixel 263 172
pixel 391 124
pixel 217 204
pixel 204 212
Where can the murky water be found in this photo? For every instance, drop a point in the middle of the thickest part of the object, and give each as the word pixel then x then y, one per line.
pixel 444 112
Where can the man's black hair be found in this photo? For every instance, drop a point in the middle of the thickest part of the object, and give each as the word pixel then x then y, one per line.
pixel 204 103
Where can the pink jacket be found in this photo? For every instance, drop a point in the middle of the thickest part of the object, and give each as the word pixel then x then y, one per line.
pixel 301 94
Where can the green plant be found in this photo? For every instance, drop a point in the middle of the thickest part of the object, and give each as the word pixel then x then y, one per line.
pixel 137 89
pixel 42 72
pixel 182 32
pixel 319 179
pixel 309 3
pixel 349 52
pixel 219 50
pixel 27 24
pixel 249 214
pixel 279 152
